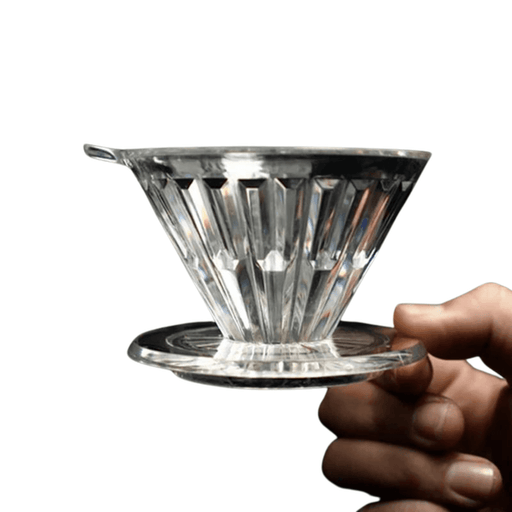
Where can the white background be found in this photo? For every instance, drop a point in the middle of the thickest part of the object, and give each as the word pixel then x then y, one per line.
pixel 86 266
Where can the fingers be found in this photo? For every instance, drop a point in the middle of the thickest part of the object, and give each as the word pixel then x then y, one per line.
pixel 478 323
pixel 367 411
pixel 391 472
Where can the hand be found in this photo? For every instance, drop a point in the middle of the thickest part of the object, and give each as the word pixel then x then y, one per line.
pixel 435 436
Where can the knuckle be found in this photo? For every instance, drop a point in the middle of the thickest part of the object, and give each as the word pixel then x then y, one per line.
pixel 324 411
pixel 490 292
pixel 328 462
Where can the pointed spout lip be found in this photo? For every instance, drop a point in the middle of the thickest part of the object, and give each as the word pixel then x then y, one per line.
pixel 103 153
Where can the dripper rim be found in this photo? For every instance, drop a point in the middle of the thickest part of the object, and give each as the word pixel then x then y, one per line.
pixel 292 151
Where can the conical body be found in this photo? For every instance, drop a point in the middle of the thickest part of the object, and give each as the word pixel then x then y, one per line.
pixel 276 240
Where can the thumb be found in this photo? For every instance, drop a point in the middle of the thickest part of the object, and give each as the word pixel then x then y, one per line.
pixel 478 323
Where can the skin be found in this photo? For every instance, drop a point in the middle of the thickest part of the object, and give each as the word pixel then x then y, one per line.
pixel 435 436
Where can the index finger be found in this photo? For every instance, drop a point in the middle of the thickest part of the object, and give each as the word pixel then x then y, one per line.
pixel 478 323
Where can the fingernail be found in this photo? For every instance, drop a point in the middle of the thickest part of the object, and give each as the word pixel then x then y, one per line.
pixel 472 480
pixel 429 420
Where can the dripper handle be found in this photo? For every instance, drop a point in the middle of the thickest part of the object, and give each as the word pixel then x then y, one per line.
pixel 105 154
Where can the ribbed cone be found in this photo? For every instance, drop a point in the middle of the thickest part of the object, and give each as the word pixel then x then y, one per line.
pixel 276 240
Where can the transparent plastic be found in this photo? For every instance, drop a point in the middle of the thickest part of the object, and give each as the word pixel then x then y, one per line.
pixel 277 241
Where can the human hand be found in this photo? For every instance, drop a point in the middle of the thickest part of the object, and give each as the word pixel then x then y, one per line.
pixel 435 436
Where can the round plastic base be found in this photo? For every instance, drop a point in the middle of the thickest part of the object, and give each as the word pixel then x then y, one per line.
pixel 198 352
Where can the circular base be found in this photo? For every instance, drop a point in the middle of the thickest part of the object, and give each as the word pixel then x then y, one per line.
pixel 198 352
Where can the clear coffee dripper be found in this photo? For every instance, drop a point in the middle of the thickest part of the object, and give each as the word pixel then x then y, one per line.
pixel 277 241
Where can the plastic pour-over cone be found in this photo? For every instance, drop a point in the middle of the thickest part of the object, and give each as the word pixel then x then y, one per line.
pixel 277 241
